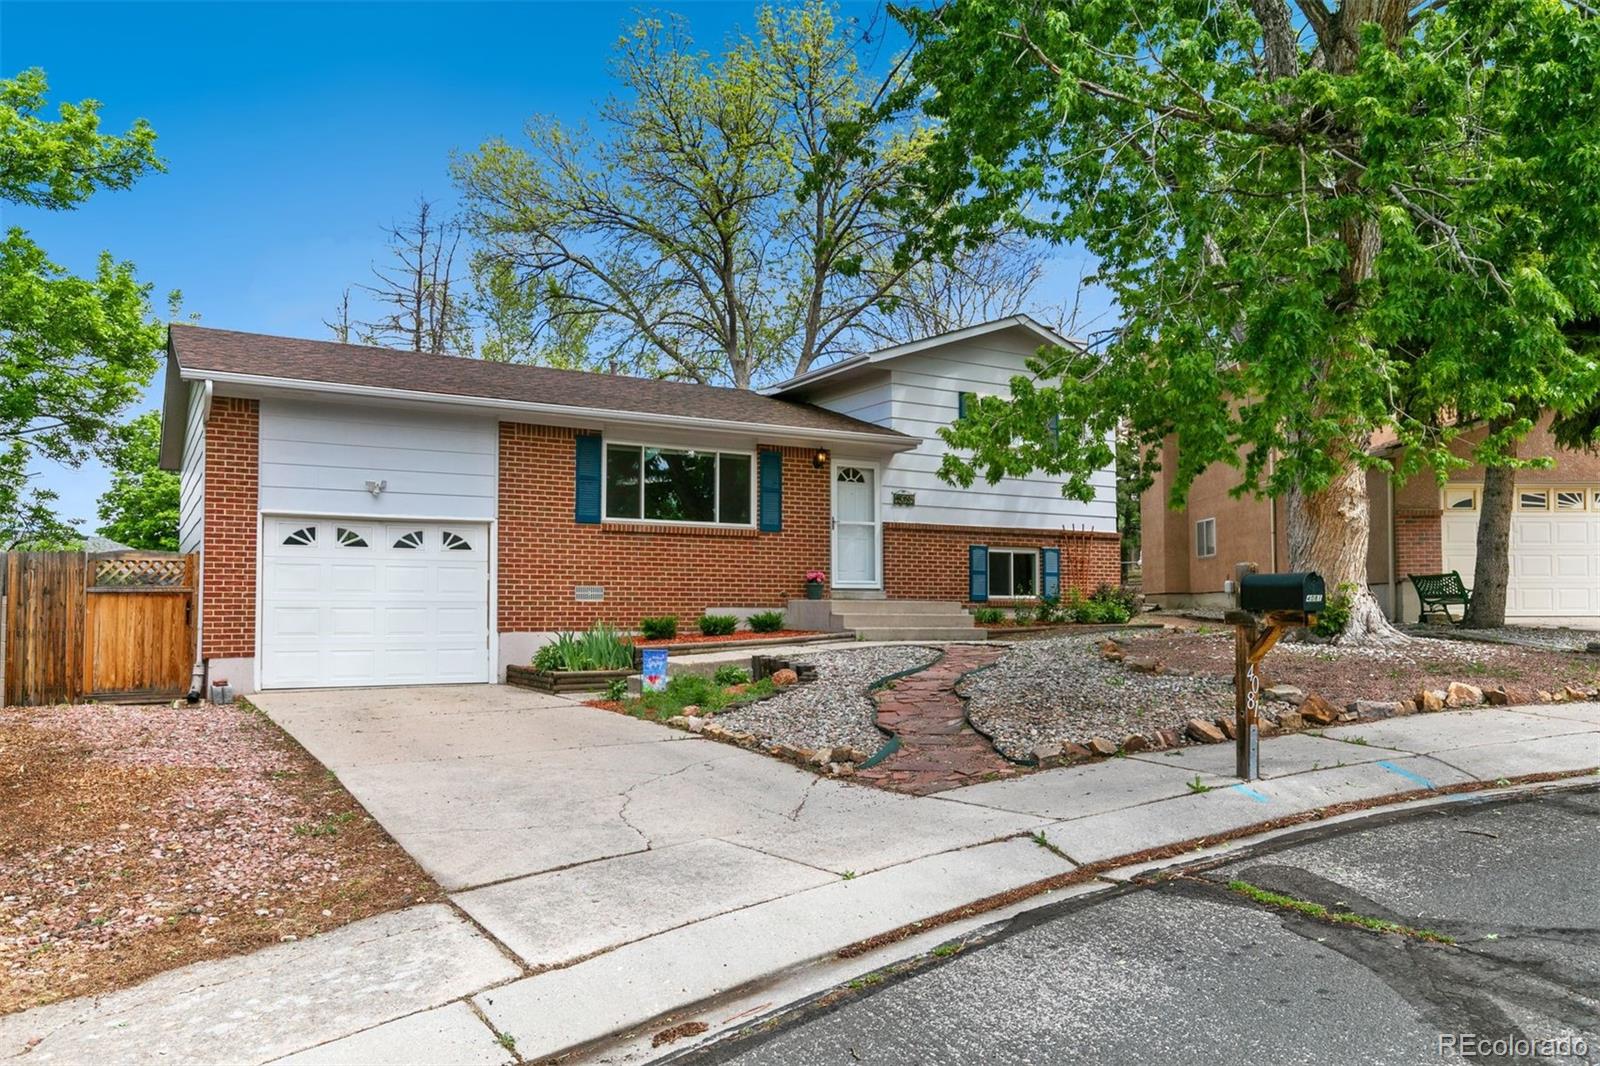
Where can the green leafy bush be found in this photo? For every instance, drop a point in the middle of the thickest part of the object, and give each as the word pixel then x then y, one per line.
pixel 1049 609
pixel 1336 611
pixel 766 621
pixel 600 647
pixel 617 690
pixel 717 625
pixel 731 675
pixel 685 689
pixel 661 627
pixel 987 616
pixel 1023 615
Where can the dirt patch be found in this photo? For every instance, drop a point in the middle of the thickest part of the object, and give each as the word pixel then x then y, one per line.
pixel 1342 675
pixel 139 839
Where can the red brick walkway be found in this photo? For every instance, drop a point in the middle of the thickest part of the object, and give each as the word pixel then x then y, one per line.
pixel 938 749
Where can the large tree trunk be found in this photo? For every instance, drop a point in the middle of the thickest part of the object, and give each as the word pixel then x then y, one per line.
pixel 1328 533
pixel 1492 571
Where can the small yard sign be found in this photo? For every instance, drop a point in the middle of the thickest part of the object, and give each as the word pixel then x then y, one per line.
pixel 653 674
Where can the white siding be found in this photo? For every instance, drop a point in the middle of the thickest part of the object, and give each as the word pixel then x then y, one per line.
pixel 924 392
pixel 868 396
pixel 316 458
pixel 192 475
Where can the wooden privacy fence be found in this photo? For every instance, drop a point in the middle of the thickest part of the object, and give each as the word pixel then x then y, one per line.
pixel 114 626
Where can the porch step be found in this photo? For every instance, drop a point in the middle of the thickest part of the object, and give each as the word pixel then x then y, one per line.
pixel 922 633
pixel 898 619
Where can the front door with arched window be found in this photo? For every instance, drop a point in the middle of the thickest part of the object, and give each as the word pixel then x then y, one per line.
pixel 856 532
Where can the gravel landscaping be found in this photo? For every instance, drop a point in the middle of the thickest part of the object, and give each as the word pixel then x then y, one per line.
pixel 834 710
pixel 1542 638
pixel 137 839
pixel 1061 690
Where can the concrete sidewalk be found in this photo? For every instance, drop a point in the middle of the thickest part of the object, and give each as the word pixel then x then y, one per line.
pixel 606 872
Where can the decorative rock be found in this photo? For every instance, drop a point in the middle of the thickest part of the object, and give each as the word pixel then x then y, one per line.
pixel 694 724
pixel 692 709
pixel 1430 699
pixel 1203 731
pixel 712 729
pixel 1284 693
pixel 1461 694
pixel 1102 746
pixel 1228 726
pixel 1111 651
pixel 1071 751
pixel 1169 738
pixel 1496 697
pixel 1047 752
pixel 679 720
pixel 1518 694
pixel 785 677
pixel 1576 693
pixel 1318 711
pixel 1144 666
pixel 841 769
pixel 1544 697
pixel 1291 721
pixel 1135 742
pixel 1373 709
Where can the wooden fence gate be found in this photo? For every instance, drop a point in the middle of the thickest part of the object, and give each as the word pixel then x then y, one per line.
pixel 113 627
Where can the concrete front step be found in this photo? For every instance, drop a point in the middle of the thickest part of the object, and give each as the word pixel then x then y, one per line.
pixel 894 606
pixel 900 620
pixel 920 633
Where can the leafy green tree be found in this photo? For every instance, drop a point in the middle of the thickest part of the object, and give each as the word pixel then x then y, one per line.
pixel 28 520
pixel 74 351
pixel 710 228
pixel 1321 224
pixel 140 509
pixel 529 320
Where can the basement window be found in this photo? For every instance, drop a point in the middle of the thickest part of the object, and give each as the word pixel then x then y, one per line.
pixel 1013 572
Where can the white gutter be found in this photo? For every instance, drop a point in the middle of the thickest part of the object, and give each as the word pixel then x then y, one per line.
pixel 898 442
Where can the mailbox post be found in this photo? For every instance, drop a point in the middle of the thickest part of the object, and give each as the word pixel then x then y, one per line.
pixel 1269 606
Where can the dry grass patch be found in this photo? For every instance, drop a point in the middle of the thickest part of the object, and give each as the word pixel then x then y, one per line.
pixel 138 839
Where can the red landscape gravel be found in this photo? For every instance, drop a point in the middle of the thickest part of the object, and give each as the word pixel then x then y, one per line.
pixel 137 839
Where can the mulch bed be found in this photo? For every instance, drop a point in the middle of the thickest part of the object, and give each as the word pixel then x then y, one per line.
pixel 725 638
pixel 1343 675
pixel 139 839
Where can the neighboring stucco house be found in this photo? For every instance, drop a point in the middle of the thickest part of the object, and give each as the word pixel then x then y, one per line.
pixel 366 516
pixel 1418 527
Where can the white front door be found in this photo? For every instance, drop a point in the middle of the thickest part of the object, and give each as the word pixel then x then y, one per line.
pixel 855 525
pixel 350 601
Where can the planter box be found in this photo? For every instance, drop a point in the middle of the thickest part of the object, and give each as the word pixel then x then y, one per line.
pixel 560 681
pixel 742 641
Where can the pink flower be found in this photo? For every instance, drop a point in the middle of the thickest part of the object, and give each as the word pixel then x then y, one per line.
pixel 816 575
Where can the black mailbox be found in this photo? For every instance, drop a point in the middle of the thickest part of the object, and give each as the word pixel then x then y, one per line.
pixel 1265 593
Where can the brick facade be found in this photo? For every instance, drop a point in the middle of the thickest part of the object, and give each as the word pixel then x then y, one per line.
pixel 645 569
pixel 1418 543
pixel 232 480
pixel 923 562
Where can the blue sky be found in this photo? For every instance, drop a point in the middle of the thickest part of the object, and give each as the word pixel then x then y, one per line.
pixel 293 132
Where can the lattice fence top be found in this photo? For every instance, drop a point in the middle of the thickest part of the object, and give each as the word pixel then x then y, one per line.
pixel 135 572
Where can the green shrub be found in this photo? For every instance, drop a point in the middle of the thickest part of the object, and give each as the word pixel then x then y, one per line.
pixel 661 627
pixel 617 690
pixel 766 621
pixel 1023 615
pixel 600 647
pixel 731 675
pixel 1336 611
pixel 1049 609
pixel 717 625
pixel 685 689
pixel 987 616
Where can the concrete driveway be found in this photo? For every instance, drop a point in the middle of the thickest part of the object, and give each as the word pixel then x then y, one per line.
pixel 566 830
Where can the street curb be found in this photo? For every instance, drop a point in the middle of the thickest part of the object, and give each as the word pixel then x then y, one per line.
pixel 720 1047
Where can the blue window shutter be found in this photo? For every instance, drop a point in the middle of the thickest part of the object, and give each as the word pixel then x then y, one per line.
pixel 588 489
pixel 1051 565
pixel 771 492
pixel 964 402
pixel 978 573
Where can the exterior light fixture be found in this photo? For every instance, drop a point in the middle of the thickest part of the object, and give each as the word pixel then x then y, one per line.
pixel 375 487
pixel 820 459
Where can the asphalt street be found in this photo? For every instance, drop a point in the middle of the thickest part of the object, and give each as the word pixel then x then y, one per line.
pixel 1469 933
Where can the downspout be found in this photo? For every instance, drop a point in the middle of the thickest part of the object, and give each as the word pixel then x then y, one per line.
pixel 197 674
pixel 1394 567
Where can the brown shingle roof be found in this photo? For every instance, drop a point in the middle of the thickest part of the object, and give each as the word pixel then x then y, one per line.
pixel 202 349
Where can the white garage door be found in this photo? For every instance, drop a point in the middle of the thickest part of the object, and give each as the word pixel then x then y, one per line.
pixel 1555 549
pixel 356 602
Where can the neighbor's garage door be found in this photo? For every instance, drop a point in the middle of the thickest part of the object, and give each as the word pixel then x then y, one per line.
pixel 352 602
pixel 1555 550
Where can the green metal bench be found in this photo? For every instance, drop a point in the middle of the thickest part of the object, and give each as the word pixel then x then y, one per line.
pixel 1439 592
